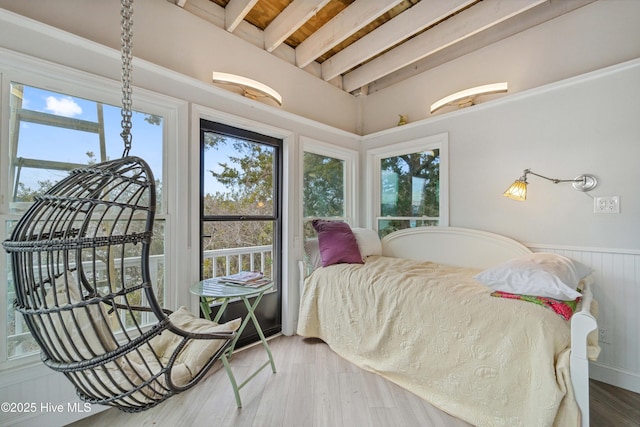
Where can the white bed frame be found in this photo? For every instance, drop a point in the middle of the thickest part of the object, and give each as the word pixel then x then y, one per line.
pixel 479 249
pixel 466 247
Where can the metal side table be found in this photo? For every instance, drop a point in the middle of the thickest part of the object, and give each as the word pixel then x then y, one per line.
pixel 212 289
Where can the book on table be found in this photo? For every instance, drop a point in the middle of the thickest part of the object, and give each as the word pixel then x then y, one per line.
pixel 252 279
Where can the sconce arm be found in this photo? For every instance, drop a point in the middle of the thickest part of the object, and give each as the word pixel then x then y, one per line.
pixel 581 183
pixel 554 180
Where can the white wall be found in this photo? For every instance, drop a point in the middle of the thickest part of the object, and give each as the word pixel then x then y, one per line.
pixel 586 124
pixel 603 33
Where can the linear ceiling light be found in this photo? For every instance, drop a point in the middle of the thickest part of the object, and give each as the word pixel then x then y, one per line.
pixel 518 190
pixel 467 97
pixel 250 88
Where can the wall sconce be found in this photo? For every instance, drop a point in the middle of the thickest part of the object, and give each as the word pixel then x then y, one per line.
pixel 518 190
pixel 467 97
pixel 250 88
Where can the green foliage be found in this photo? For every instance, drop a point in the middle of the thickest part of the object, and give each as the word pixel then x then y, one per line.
pixel 153 119
pixel 248 175
pixel 323 183
pixel 246 172
pixel 27 194
pixel 414 187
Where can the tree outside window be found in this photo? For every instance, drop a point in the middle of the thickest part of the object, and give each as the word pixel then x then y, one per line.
pixel 323 189
pixel 409 191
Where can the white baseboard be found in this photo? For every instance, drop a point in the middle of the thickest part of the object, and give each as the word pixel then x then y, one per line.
pixel 616 377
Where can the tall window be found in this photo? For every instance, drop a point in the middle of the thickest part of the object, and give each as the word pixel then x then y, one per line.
pixel 409 195
pixel 411 182
pixel 241 210
pixel 328 181
pixel 50 133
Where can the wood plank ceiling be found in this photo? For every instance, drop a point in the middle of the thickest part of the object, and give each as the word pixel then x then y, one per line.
pixel 366 45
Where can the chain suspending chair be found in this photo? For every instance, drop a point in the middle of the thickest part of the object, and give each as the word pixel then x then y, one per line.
pixel 80 262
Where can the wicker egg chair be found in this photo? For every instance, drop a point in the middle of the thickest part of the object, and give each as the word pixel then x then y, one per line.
pixel 80 261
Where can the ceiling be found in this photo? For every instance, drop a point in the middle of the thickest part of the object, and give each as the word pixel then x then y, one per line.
pixel 365 45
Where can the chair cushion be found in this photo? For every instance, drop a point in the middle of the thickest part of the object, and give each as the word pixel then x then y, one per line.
pixel 140 365
pixel 64 331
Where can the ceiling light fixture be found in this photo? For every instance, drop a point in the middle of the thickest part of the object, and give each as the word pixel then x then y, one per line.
pixel 518 190
pixel 250 88
pixel 467 97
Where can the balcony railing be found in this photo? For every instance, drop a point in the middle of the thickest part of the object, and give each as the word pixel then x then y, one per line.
pixel 229 261
pixel 223 262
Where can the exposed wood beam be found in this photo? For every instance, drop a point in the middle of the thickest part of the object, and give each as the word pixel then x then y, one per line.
pixel 531 18
pixel 406 24
pixel 457 28
pixel 347 22
pixel 292 18
pixel 235 12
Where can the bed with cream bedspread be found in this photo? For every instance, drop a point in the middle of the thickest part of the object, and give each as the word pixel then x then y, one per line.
pixel 435 331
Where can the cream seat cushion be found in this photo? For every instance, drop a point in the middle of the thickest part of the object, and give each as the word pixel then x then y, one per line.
pixel 88 330
pixel 139 366
pixel 64 331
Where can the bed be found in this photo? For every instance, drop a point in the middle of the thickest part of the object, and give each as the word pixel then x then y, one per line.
pixel 415 314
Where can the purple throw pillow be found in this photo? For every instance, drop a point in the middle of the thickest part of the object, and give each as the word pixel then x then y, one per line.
pixel 337 243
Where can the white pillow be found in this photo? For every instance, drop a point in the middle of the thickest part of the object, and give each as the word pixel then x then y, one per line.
pixel 539 274
pixel 368 242
pixel 312 252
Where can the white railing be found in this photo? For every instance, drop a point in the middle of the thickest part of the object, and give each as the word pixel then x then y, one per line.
pixel 256 255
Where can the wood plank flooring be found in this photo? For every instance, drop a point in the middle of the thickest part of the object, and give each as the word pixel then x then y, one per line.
pixel 314 387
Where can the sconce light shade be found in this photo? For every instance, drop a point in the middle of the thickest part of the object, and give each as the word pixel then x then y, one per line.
pixel 467 97
pixel 250 88
pixel 518 190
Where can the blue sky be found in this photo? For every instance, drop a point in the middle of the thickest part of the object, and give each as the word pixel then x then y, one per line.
pixel 47 142
pixel 52 143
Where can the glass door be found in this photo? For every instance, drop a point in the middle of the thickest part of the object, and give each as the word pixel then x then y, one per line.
pixel 240 211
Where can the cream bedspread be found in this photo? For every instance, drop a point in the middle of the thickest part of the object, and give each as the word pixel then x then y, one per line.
pixel 436 332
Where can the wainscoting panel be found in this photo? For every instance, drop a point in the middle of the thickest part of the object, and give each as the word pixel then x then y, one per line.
pixel 617 289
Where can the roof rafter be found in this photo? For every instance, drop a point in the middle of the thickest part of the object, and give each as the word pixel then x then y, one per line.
pixel 459 27
pixel 412 21
pixel 235 12
pixel 343 25
pixel 291 18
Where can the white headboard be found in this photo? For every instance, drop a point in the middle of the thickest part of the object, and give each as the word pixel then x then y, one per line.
pixel 462 247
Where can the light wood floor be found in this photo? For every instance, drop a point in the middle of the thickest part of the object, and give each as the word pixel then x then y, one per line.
pixel 314 387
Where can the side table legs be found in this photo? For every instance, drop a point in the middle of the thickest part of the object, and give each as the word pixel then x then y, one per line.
pixel 227 355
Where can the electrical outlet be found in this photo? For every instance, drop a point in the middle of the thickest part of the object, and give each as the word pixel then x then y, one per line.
pixel 608 204
pixel 603 337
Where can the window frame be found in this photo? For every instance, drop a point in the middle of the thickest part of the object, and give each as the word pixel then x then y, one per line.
pixel 373 175
pixel 350 158
pixel 276 216
pixel 64 80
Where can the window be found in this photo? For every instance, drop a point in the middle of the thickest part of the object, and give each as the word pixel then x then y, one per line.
pixel 328 181
pixel 241 226
pixel 51 132
pixel 410 183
